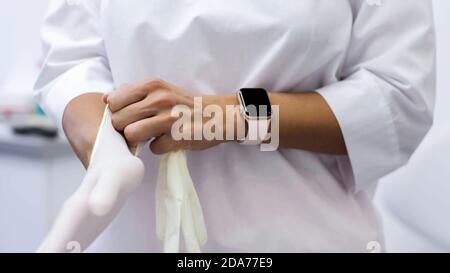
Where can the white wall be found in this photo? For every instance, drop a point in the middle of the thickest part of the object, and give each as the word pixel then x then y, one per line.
pixel 34 179
pixel 20 21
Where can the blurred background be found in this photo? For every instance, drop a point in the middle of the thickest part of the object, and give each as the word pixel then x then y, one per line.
pixel 38 170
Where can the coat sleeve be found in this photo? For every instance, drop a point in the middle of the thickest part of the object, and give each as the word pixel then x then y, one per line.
pixel 75 60
pixel 384 101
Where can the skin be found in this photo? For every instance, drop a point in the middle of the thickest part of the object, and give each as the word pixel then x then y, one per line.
pixel 81 126
pixel 142 111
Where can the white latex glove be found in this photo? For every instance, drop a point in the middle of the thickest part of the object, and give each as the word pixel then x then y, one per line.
pixel 178 206
pixel 114 172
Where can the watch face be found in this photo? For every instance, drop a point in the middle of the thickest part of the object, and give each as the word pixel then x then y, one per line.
pixel 256 102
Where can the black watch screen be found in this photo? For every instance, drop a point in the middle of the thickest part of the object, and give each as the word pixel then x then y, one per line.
pixel 256 102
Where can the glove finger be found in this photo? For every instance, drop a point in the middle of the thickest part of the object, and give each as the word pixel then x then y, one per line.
pixel 160 193
pixel 105 194
pixel 191 239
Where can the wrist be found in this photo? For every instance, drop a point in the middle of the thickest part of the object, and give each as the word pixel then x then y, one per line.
pixel 229 105
pixel 256 114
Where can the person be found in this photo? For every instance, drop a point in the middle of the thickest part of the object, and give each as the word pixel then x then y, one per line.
pixel 354 83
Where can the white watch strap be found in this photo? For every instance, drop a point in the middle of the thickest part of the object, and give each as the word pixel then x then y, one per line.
pixel 258 131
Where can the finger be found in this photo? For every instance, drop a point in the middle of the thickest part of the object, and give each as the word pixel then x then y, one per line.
pixel 154 103
pixel 131 114
pixel 197 217
pixel 191 240
pixel 153 83
pixel 146 129
pixel 105 98
pixel 164 144
pixel 125 96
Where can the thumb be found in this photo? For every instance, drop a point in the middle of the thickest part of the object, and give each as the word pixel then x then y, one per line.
pixel 105 194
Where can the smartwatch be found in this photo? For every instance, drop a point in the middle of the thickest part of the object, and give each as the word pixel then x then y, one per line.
pixel 256 111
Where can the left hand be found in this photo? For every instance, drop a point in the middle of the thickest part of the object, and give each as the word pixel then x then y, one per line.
pixel 143 111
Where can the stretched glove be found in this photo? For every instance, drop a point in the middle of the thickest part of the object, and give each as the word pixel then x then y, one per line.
pixel 114 172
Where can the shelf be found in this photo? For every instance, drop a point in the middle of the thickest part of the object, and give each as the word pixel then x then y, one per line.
pixel 31 145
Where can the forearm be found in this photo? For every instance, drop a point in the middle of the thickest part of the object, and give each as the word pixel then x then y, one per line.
pixel 305 122
pixel 143 112
pixel 81 121
pixel 308 123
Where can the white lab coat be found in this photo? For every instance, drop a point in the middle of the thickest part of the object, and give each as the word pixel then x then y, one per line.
pixel 374 65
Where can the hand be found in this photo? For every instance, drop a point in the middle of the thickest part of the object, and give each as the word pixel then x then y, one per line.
pixel 143 112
